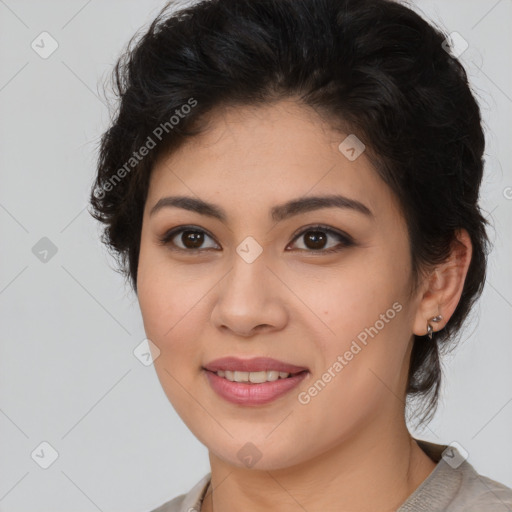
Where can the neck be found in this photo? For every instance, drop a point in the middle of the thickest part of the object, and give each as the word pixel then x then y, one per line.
pixel 375 470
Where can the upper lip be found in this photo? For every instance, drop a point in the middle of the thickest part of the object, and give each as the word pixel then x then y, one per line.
pixel 256 364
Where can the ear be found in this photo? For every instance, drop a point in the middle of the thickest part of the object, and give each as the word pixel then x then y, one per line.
pixel 443 287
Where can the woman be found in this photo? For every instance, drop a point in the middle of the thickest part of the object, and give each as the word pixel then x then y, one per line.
pixel 292 188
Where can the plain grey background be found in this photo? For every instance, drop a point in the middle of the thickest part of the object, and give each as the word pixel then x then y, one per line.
pixel 69 325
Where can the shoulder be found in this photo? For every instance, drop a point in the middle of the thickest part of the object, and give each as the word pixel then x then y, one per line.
pixel 188 502
pixel 455 486
pixel 175 505
pixel 478 493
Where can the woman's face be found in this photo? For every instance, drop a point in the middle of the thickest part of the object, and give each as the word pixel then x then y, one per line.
pixel 331 299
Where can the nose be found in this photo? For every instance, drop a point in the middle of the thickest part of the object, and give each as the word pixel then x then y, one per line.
pixel 250 300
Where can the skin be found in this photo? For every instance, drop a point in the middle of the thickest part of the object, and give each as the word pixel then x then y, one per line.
pixel 348 448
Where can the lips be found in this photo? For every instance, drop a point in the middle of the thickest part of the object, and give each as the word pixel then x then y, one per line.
pixel 226 376
pixel 257 364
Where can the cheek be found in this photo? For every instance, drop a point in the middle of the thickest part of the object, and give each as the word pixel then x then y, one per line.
pixel 170 305
pixel 362 306
pixel 351 297
pixel 165 302
pixel 166 292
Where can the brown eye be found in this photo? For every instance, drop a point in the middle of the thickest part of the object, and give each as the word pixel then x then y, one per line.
pixel 192 239
pixel 316 239
pixel 187 239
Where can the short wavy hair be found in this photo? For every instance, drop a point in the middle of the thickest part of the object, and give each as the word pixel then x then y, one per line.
pixel 370 67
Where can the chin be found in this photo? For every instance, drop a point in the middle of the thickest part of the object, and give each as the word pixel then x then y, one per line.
pixel 256 456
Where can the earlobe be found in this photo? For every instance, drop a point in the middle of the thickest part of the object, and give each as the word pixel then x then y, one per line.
pixel 444 288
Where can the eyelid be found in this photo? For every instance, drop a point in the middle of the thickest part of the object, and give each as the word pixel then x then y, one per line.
pixel 171 233
pixel 346 239
pixel 322 227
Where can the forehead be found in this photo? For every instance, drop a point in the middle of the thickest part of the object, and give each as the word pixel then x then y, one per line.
pixel 265 155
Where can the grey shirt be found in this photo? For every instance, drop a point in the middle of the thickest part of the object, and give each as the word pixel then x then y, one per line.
pixel 453 486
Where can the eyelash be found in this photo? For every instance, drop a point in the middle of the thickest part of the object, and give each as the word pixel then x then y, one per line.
pixel 346 240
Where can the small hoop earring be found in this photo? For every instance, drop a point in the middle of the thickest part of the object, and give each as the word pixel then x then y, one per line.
pixel 430 330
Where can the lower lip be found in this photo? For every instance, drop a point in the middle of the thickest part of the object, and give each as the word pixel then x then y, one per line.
pixel 253 394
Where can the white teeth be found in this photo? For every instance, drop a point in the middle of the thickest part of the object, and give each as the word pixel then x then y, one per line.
pixel 258 377
pixel 273 375
pixel 254 377
pixel 241 376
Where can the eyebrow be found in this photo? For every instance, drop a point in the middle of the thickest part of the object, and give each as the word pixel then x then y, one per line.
pixel 278 213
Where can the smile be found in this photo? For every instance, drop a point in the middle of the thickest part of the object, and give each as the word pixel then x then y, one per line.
pixel 253 377
pixel 255 381
pixel 262 388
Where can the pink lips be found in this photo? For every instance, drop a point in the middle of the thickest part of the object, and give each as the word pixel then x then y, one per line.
pixel 248 394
